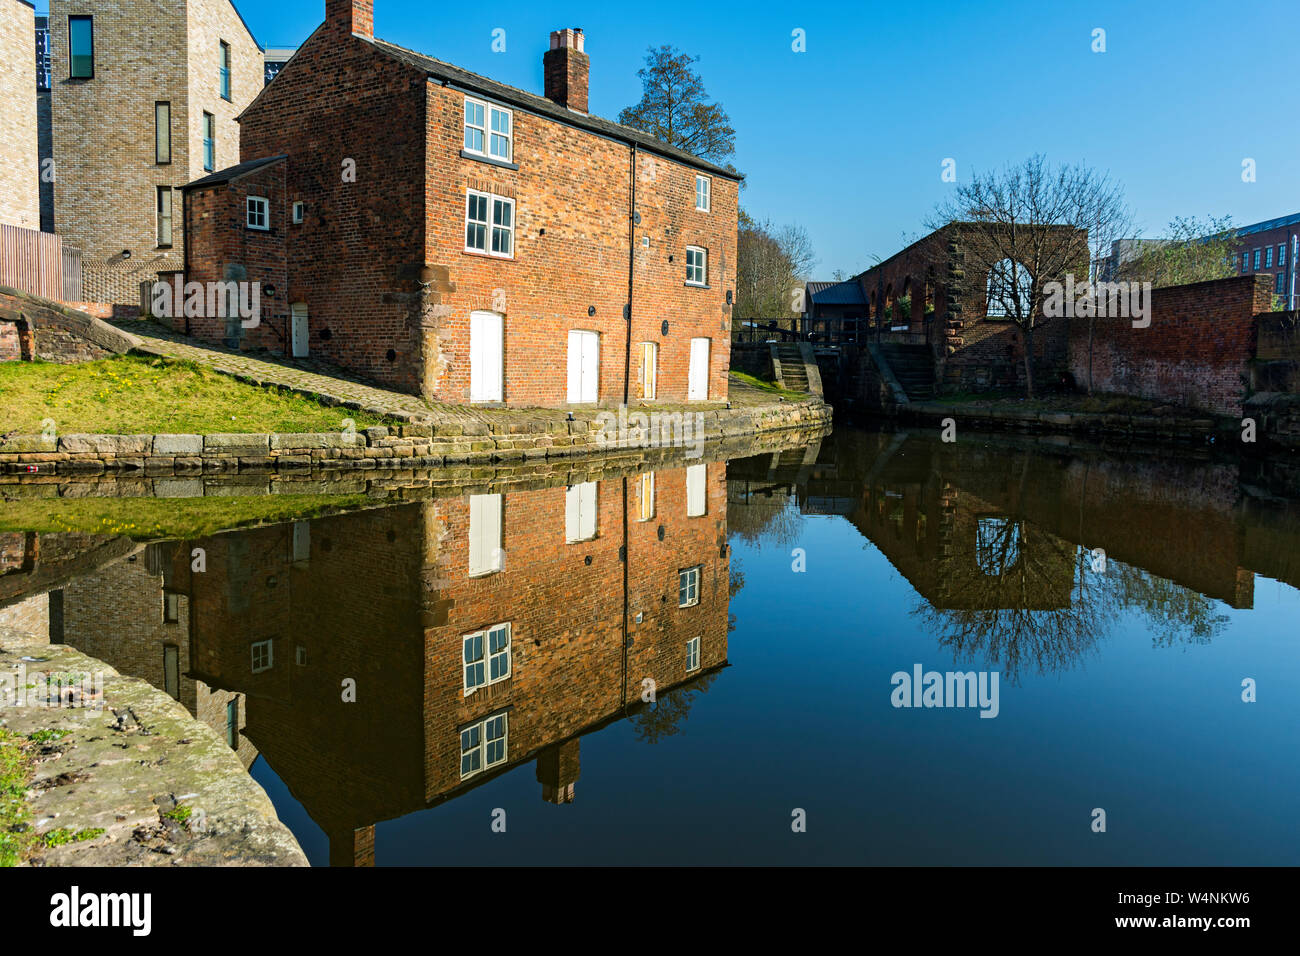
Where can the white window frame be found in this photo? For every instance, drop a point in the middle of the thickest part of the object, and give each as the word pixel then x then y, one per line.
pixel 693 655
pixel 489 225
pixel 702 266
pixel 269 646
pixel 488 130
pixel 481 748
pixel 705 194
pixel 486 658
pixel 688 580
pixel 265 210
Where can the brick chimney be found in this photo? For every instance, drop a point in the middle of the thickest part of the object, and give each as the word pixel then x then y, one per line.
pixel 566 68
pixel 346 17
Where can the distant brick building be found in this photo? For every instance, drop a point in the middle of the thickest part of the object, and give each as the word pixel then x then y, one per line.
pixel 20 203
pixel 144 98
pixel 1269 248
pixel 937 294
pixel 452 237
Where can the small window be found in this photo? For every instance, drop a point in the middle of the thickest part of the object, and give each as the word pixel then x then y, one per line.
pixel 172 671
pixel 489 130
pixel 1281 284
pixel 693 654
pixel 81 48
pixel 223 70
pixel 262 656
pixel 1281 255
pixel 499 230
pixel 209 142
pixel 298 212
pixel 702 187
pixel 1268 258
pixel 1256 260
pixel 171 607
pixel 697 272
pixel 1245 261
pixel 300 656
pixel 486 657
pixel 162 133
pixel 164 217
pixel 484 745
pixel 688 587
pixel 259 213
pixel 232 722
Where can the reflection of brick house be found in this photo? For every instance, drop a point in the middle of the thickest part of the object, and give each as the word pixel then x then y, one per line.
pixel 937 295
pixel 283 615
pixel 456 238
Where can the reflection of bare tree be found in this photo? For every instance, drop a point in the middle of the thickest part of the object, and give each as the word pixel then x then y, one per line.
pixel 735 582
pixel 1003 617
pixel 664 718
pixel 1174 614
pixel 769 516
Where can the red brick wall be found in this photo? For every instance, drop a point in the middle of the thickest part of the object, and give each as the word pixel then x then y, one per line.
pixel 1195 352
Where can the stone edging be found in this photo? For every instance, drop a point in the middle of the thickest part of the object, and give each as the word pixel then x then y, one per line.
pixel 1181 428
pixel 384 447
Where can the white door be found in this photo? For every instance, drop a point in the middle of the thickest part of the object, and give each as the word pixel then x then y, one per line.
pixel 584 360
pixel 580 512
pixel 697 384
pixel 298 332
pixel 485 554
pixel 649 369
pixel 697 477
pixel 486 357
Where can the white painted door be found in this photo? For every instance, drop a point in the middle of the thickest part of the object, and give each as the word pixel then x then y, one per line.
pixel 486 357
pixel 298 332
pixel 584 362
pixel 697 477
pixel 485 554
pixel 580 512
pixel 697 385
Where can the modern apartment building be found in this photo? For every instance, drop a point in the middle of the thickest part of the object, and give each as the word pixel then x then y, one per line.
pixel 1270 247
pixel 456 238
pixel 144 97
pixel 20 203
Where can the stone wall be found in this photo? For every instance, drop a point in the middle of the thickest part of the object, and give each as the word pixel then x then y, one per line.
pixel 33 327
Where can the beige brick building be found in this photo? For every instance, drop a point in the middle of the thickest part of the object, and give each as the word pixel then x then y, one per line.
pixel 19 163
pixel 144 99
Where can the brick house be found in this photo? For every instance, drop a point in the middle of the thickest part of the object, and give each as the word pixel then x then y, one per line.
pixel 19 170
pixel 934 299
pixel 144 95
pixel 452 237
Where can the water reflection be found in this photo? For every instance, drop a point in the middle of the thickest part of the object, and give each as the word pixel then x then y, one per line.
pixel 389 660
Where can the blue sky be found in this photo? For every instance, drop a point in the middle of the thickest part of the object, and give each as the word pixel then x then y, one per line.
pixel 847 138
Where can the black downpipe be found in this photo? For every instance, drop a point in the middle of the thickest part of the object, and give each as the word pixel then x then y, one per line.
pixel 631 261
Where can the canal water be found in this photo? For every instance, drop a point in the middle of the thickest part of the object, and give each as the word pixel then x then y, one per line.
pixel 877 648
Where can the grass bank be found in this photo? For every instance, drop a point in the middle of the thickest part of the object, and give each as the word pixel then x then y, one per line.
pixel 771 388
pixel 147 519
pixel 132 394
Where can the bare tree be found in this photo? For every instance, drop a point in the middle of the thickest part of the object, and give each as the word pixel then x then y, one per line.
pixel 771 262
pixel 1025 226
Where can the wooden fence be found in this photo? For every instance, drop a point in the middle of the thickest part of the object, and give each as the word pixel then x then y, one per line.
pixel 39 263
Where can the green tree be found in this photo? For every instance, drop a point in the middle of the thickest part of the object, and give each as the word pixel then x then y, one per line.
pixel 1192 250
pixel 675 109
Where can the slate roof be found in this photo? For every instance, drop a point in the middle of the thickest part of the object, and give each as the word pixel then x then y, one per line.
pixel 231 173
pixel 848 292
pixel 531 102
